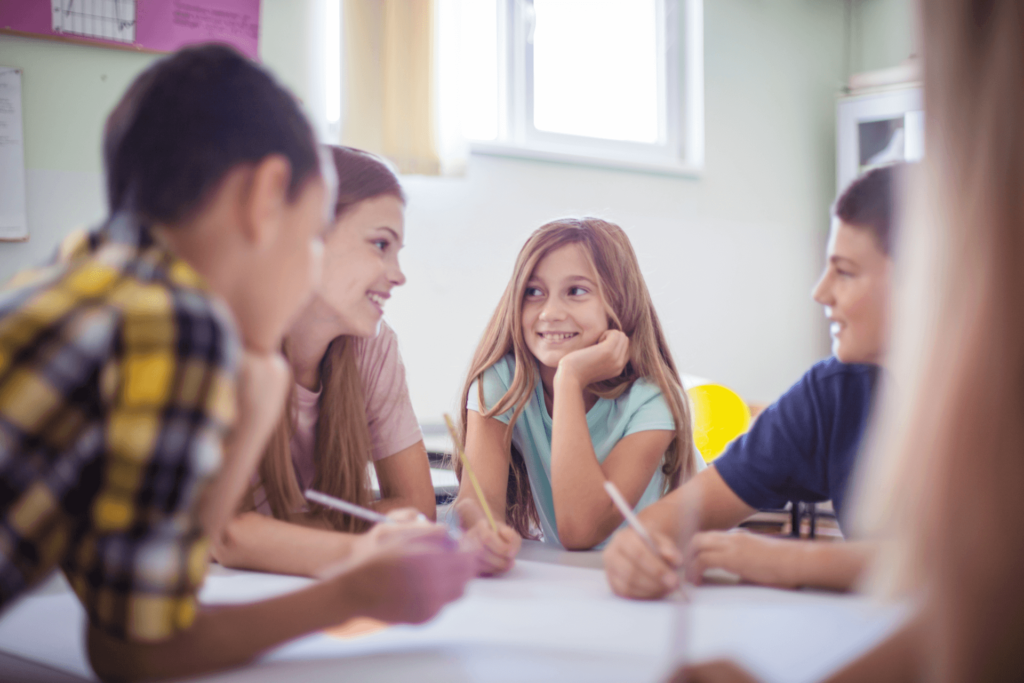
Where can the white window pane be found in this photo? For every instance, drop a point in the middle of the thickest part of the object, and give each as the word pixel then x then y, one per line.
pixel 332 54
pixel 479 64
pixel 595 68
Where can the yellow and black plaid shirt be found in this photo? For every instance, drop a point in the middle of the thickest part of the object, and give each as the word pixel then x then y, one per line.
pixel 117 380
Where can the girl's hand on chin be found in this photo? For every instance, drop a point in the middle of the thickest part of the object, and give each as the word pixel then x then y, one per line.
pixel 604 360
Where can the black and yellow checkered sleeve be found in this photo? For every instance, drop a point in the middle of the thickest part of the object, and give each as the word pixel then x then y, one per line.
pixel 170 395
pixel 116 391
pixel 53 339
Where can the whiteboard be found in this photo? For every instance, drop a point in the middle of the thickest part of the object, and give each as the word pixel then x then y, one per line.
pixel 13 216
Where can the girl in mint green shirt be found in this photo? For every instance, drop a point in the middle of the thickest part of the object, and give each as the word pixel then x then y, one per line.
pixel 572 385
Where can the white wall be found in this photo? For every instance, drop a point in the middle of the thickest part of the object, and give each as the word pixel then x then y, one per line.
pixel 730 258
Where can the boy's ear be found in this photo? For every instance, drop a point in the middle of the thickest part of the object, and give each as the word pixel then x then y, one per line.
pixel 266 199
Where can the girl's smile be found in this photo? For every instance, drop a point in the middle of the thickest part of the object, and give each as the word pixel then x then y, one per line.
pixel 378 299
pixel 557 337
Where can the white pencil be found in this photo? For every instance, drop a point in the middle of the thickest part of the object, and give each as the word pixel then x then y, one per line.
pixel 631 519
pixel 347 507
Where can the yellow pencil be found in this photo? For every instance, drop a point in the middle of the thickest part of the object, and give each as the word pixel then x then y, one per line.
pixel 469 471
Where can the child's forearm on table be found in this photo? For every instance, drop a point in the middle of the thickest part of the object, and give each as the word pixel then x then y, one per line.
pixel 260 543
pixel 582 507
pixel 220 638
pixel 837 566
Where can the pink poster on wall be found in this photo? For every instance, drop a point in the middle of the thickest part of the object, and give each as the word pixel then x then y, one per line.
pixel 151 25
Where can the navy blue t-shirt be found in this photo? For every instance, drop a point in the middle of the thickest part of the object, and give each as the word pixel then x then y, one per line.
pixel 804 446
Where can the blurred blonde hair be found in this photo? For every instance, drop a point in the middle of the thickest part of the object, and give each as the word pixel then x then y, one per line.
pixel 944 470
pixel 629 307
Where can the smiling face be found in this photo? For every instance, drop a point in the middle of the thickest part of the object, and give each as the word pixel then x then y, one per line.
pixel 361 264
pixel 855 290
pixel 562 309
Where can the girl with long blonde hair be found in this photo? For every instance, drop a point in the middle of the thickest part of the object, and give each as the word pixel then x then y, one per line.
pixel 572 385
pixel 349 406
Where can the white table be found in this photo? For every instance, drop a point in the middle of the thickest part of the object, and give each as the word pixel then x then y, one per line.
pixel 552 618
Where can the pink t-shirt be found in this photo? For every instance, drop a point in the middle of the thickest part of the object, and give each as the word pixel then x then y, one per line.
pixel 389 414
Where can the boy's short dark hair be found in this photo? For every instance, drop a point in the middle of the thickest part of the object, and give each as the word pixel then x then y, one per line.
pixel 188 120
pixel 870 202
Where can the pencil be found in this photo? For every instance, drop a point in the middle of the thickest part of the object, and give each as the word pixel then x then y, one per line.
pixel 631 518
pixel 346 507
pixel 469 471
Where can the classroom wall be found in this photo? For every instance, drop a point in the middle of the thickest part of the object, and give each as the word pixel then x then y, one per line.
pixel 730 257
pixel 884 33
pixel 67 92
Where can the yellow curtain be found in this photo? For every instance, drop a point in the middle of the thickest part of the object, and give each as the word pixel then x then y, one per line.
pixel 389 82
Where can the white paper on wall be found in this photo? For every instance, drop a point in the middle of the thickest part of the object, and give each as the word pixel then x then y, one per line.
pixel 13 216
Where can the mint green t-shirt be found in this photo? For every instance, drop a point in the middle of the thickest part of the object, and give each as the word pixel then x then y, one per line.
pixel 640 409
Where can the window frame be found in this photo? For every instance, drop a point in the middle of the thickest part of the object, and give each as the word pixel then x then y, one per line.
pixel 680 150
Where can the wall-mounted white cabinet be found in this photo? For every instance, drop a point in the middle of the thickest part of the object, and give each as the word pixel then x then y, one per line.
pixel 877 128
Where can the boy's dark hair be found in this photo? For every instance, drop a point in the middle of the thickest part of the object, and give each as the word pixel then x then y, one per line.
pixel 870 202
pixel 188 120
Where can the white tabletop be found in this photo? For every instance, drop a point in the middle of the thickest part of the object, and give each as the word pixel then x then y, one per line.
pixel 551 618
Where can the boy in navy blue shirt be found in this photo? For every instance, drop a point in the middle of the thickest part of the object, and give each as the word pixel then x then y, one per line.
pixel 805 446
pixel 802 448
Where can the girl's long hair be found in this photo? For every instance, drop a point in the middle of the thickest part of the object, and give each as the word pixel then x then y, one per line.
pixel 629 308
pixel 945 468
pixel 343 447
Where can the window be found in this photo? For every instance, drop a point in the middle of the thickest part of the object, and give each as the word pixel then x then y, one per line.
pixel 607 82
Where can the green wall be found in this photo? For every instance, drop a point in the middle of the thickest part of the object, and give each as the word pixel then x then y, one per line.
pixel 884 33
pixel 67 92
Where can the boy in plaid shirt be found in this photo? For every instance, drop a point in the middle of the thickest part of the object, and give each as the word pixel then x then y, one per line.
pixel 140 377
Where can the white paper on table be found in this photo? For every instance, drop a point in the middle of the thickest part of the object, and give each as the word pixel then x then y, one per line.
pixel 49 629
pixel 242 587
pixel 785 636
pixel 13 214
pixel 540 622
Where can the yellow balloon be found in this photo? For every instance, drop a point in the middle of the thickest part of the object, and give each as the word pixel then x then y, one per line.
pixel 719 416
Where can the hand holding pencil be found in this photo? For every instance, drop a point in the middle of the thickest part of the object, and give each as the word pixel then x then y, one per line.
pixel 640 563
pixel 405 573
pixel 497 549
pixel 498 543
